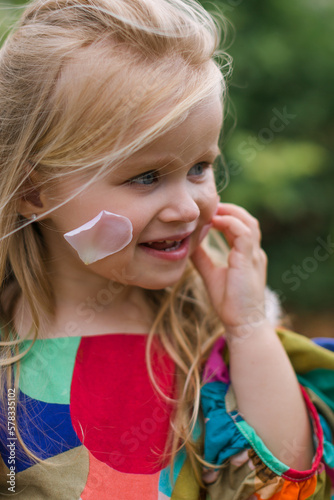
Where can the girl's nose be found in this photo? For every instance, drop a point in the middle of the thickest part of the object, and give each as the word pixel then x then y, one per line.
pixel 180 206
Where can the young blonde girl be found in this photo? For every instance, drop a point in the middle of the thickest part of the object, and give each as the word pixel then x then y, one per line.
pixel 121 333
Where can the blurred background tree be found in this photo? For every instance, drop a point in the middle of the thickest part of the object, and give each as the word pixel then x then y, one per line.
pixel 280 149
pixel 278 143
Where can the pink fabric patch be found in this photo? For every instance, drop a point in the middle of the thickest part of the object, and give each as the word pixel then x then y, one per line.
pixel 215 368
pixel 104 483
pixel 100 237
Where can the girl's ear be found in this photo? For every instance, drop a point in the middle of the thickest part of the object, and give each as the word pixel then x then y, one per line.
pixel 32 200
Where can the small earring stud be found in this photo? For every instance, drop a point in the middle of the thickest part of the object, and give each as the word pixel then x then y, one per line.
pixel 33 217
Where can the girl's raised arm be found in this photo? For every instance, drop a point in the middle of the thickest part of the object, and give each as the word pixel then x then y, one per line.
pixel 264 382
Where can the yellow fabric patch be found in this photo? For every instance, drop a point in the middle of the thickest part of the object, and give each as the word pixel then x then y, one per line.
pixel 61 477
pixel 304 354
pixel 186 486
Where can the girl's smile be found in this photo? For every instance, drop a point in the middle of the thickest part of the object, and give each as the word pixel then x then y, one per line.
pixel 172 248
pixel 167 190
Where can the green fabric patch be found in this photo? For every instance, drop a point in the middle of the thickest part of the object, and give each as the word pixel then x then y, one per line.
pixel 47 368
pixel 329 454
pixel 316 385
pixel 323 379
pixel 260 449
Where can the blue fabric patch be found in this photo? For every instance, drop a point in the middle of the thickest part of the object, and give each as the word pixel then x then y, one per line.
pixel 325 428
pixel 46 429
pixel 222 438
pixel 326 342
pixel 166 481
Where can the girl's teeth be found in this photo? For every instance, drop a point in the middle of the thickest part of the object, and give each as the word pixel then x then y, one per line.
pixel 175 247
pixel 165 245
pixel 162 242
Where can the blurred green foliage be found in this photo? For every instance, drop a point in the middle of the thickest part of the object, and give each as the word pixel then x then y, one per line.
pixel 278 136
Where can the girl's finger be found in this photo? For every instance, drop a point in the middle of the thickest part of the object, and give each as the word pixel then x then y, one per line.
pixel 237 234
pixel 203 264
pixel 231 208
pixel 241 214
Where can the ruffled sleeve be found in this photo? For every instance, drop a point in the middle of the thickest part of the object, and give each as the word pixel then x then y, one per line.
pixel 250 471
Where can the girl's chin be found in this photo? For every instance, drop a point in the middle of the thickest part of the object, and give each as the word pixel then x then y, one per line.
pixel 160 284
pixel 149 274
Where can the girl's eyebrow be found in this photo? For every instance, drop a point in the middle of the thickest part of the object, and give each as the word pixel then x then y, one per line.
pixel 148 161
pixel 160 161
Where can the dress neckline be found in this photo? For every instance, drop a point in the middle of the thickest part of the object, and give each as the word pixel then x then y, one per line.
pixel 124 334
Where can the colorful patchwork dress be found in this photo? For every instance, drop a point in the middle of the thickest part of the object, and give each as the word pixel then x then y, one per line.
pixel 87 409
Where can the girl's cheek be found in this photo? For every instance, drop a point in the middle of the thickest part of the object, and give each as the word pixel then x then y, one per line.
pixel 209 201
pixel 213 201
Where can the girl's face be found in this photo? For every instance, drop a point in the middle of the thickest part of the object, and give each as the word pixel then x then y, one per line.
pixel 167 190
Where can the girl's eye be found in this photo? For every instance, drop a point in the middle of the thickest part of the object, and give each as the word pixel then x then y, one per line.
pixel 198 169
pixel 147 178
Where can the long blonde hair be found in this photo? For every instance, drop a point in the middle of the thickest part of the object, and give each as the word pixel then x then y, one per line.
pixel 64 61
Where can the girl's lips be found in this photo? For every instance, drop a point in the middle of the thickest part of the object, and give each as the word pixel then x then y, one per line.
pixel 181 251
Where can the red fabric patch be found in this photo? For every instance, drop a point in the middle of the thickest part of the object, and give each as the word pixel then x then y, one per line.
pixel 294 475
pixel 114 409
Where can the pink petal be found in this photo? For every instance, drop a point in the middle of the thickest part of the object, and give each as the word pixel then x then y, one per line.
pixel 100 237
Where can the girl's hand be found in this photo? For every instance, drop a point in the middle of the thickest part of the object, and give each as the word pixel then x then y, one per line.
pixel 236 291
pixel 258 364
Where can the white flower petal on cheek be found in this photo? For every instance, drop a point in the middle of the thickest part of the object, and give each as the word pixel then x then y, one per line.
pixel 100 237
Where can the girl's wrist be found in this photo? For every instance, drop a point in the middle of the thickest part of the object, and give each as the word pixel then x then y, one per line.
pixel 249 332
